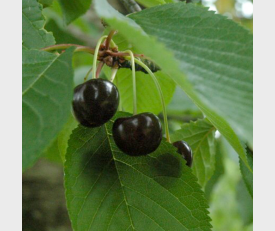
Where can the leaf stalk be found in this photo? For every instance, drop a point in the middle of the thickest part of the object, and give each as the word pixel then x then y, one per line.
pixel 134 81
pixel 96 54
pixel 160 95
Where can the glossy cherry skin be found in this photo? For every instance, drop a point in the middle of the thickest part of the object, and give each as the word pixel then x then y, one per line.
pixel 138 135
pixel 185 150
pixel 95 102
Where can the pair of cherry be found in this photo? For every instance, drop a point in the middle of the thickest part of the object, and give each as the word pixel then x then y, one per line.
pixel 96 101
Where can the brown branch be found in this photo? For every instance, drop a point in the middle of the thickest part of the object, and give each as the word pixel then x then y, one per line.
pixel 87 49
pixel 65 46
pixel 109 38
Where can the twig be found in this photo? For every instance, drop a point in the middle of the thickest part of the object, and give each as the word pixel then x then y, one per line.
pixel 109 38
pixel 131 6
pixel 65 46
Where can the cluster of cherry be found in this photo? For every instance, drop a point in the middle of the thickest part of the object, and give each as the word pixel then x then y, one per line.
pixel 96 101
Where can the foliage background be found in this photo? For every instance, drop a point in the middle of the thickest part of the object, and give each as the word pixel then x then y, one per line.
pixel 229 211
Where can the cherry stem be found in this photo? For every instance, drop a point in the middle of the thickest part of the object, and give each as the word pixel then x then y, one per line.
pixel 99 68
pixel 134 81
pixel 113 75
pixel 160 95
pixel 65 46
pixel 87 75
pixel 120 103
pixel 122 54
pixel 96 54
pixel 109 40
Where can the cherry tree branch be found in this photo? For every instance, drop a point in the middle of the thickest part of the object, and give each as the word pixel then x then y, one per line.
pixel 131 5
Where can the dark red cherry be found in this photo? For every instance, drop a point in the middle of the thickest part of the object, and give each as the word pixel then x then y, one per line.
pixel 95 102
pixel 138 135
pixel 185 150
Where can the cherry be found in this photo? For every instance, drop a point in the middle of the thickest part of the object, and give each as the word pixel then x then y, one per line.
pixel 138 135
pixel 95 102
pixel 185 150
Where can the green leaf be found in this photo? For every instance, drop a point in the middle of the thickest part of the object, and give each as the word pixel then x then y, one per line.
pixel 47 94
pixel 215 53
pixel 168 24
pixel 182 105
pixel 64 136
pixel 200 135
pixel 33 34
pixel 61 35
pixel 224 206
pixel 247 175
pixel 245 203
pixel 74 8
pixel 147 95
pixel 57 150
pixel 109 190
pixel 81 26
pixel 52 153
pixel 219 170
pixel 46 3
